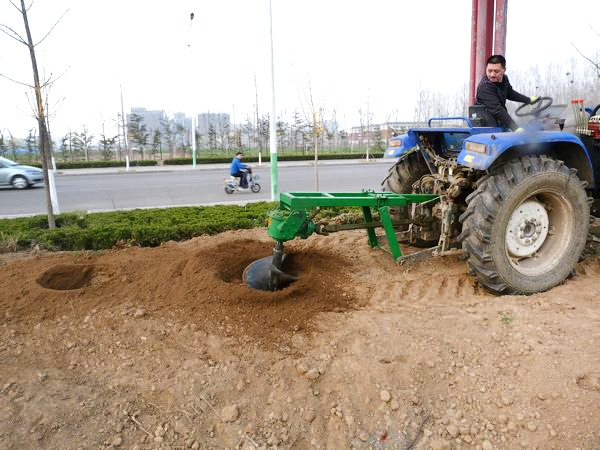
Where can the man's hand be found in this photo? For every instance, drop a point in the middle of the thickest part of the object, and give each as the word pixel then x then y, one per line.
pixel 534 99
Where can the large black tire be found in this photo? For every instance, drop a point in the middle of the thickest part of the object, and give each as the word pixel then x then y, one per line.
pixel 525 226
pixel 400 178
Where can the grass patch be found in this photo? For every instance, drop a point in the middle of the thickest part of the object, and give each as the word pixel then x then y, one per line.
pixel 506 319
pixel 9 242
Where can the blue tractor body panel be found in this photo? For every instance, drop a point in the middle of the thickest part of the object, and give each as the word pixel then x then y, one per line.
pixel 398 145
pixel 493 145
pixel 452 138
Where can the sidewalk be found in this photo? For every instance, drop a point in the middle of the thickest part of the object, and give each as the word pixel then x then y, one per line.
pixel 219 166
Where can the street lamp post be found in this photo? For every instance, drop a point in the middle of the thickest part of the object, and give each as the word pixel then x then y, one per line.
pixel 273 122
pixel 192 97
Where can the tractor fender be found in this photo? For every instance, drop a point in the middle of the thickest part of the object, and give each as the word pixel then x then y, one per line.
pixel 482 151
pixel 399 145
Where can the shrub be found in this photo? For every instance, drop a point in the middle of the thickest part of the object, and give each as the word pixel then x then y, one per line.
pixel 143 227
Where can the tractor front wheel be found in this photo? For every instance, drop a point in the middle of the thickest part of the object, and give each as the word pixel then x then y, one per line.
pixel 525 226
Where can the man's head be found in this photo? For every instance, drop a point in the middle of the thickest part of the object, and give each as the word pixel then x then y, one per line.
pixel 239 155
pixel 496 66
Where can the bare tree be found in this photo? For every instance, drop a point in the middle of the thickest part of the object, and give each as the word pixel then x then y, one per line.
pixel 562 82
pixel 38 86
pixel 249 131
pixel 313 116
pixel 106 145
pixel 596 62
pixel 83 142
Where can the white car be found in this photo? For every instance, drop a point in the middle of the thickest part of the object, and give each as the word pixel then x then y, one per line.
pixel 18 176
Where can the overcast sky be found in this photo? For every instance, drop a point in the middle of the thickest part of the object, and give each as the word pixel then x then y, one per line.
pixel 346 55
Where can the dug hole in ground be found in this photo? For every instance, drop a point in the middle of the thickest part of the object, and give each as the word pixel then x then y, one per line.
pixel 150 348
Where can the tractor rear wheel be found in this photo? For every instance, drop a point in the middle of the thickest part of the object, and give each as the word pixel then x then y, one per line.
pixel 525 226
pixel 400 179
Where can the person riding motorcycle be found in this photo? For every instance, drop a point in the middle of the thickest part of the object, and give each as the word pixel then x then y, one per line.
pixel 240 170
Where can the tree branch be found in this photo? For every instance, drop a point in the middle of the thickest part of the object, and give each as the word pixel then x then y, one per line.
pixel 595 64
pixel 16 7
pixel 16 36
pixel 51 80
pixel 50 31
pixel 15 81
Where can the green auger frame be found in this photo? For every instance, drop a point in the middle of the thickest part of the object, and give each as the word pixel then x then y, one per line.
pixel 293 217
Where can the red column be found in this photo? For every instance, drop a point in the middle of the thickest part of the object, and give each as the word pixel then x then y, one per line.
pixel 500 27
pixel 473 73
pixel 482 38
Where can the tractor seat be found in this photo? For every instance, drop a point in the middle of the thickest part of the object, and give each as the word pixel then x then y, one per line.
pixel 479 116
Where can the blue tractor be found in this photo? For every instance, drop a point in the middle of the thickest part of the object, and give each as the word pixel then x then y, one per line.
pixel 516 205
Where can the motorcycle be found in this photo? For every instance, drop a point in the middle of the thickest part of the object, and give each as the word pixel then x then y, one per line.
pixel 232 184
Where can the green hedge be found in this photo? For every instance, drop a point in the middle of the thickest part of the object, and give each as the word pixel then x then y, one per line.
pixel 253 158
pixel 141 227
pixel 203 160
pixel 96 164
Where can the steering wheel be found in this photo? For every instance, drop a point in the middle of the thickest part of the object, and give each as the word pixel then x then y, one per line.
pixel 542 104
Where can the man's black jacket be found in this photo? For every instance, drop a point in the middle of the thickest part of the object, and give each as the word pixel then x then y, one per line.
pixel 494 95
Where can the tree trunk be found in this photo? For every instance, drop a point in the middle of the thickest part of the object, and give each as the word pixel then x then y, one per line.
pixel 41 119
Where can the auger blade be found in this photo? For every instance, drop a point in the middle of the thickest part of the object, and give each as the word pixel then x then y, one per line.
pixel 266 274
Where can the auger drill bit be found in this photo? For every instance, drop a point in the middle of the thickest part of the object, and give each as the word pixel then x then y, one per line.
pixel 266 273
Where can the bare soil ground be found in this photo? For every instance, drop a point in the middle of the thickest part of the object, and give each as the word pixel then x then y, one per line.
pixel 166 348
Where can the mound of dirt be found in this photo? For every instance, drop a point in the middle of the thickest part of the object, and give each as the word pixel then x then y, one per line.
pixel 167 348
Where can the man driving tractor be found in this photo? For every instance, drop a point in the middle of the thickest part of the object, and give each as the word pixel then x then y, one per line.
pixel 493 91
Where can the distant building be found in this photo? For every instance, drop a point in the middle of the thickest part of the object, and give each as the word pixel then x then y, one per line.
pixel 219 121
pixel 379 132
pixel 391 129
pixel 150 118
pixel 181 119
pixel 153 119
pixel 331 126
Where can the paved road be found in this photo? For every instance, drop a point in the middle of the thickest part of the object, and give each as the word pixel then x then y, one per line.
pixel 111 189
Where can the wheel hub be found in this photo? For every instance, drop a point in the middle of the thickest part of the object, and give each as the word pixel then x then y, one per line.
pixel 527 229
